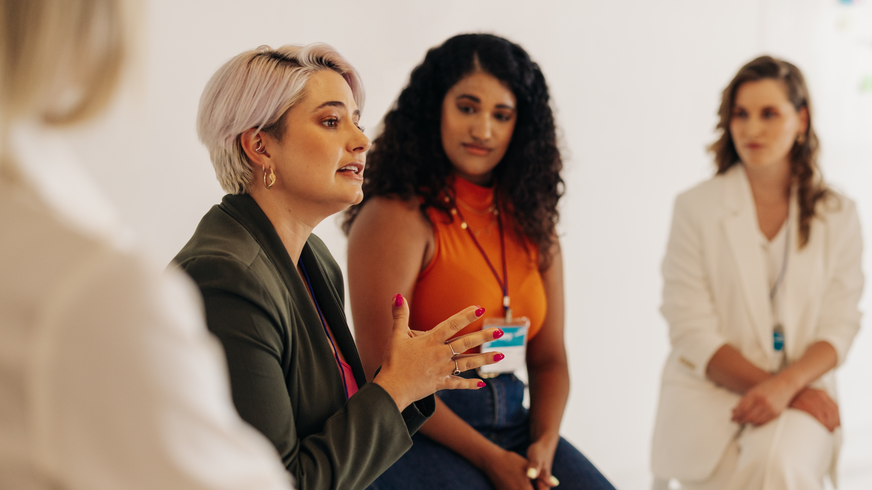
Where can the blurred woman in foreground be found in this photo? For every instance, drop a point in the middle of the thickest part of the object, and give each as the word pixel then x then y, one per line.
pixel 108 378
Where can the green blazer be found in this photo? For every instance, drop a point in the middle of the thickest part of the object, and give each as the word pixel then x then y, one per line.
pixel 283 375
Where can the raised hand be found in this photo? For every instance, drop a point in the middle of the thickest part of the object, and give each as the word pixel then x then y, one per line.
pixel 417 364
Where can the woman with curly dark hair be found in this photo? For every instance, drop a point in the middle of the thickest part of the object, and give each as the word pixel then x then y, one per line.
pixel 461 188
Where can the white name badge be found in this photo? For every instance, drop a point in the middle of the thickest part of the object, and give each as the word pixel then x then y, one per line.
pixel 513 345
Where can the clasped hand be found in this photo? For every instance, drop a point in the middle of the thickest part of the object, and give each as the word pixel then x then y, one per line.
pixel 766 400
pixel 417 364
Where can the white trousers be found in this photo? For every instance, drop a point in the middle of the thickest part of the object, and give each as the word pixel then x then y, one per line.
pixel 792 452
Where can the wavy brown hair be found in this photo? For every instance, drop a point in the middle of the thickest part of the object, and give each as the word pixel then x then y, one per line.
pixel 806 176
pixel 407 160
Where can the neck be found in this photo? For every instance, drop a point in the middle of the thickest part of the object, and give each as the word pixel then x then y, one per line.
pixel 770 183
pixel 290 220
pixel 484 180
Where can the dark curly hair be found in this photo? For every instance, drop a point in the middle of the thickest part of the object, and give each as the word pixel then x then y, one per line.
pixel 527 179
pixel 806 175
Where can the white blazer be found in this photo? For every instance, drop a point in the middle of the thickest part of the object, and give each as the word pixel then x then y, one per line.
pixel 108 375
pixel 716 291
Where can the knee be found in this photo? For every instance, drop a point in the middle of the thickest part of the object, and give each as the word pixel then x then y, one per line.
pixel 795 455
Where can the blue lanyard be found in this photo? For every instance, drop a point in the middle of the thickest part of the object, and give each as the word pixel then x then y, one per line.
pixel 327 332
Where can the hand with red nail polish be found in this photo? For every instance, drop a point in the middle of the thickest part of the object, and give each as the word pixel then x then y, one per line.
pixel 417 364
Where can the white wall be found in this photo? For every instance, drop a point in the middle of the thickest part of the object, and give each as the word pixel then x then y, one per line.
pixel 636 86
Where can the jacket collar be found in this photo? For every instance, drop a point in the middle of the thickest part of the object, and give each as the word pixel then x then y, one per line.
pixel 245 210
pixel 742 231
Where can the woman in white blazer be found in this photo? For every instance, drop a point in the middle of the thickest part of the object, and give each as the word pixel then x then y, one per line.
pixel 762 277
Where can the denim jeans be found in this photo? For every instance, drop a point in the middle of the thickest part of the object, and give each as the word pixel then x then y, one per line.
pixel 497 412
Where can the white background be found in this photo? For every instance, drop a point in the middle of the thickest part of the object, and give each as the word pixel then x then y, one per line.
pixel 635 85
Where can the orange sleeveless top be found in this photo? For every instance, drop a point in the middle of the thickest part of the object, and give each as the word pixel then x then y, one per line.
pixel 458 275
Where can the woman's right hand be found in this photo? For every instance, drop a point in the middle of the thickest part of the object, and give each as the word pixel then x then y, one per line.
pixel 417 364
pixel 507 470
pixel 819 405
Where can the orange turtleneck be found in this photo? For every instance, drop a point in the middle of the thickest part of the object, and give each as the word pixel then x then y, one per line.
pixel 458 276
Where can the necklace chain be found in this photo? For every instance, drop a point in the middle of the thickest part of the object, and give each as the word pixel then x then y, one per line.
pixel 491 209
pixel 504 282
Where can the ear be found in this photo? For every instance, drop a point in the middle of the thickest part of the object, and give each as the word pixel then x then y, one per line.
pixel 253 140
pixel 803 120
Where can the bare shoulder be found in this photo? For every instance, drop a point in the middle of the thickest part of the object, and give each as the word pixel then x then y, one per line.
pixel 396 217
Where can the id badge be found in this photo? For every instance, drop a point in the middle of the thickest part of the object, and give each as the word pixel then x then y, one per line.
pixel 513 345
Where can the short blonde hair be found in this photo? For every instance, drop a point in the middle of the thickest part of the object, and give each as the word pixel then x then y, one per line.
pixel 254 90
pixel 60 60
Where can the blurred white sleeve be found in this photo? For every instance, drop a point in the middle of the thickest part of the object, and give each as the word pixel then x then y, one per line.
pixel 688 304
pixel 131 391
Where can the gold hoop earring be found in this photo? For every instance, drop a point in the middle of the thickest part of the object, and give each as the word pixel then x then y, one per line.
pixel 270 181
pixel 800 139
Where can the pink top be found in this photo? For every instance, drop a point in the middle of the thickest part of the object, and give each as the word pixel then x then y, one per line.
pixel 350 383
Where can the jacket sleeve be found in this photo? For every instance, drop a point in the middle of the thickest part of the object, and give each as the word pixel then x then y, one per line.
pixel 840 316
pixel 357 442
pixel 688 303
pixel 135 388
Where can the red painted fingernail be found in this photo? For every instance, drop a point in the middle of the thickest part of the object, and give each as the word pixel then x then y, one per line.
pixel 479 311
pixel 481 384
pixel 398 300
pixel 499 357
pixel 498 334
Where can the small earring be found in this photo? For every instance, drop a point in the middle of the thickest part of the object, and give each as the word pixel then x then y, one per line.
pixel 800 139
pixel 259 148
pixel 270 181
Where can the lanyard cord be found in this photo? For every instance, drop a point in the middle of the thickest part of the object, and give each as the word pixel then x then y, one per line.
pixel 774 290
pixel 324 324
pixel 503 283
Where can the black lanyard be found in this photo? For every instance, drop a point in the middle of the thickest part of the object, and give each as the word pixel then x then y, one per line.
pixel 504 282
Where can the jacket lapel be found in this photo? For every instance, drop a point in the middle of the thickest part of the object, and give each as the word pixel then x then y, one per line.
pixel 246 211
pixel 334 313
pixel 741 230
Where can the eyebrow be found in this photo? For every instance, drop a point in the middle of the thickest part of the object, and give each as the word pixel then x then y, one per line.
pixel 335 103
pixel 478 101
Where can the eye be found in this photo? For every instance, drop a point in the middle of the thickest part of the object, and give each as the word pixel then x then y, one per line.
pixel 466 109
pixel 331 122
pixel 739 114
pixel 769 113
pixel 503 116
pixel 361 128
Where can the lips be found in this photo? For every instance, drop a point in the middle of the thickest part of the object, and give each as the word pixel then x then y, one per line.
pixel 477 150
pixel 353 171
pixel 355 168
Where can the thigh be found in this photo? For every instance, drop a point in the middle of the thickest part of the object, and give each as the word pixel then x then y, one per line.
pixel 573 469
pixel 430 465
pixel 793 451
pixel 722 473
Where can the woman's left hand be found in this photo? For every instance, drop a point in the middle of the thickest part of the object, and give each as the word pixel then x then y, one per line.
pixel 540 456
pixel 764 401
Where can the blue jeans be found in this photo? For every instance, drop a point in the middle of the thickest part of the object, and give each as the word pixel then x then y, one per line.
pixel 497 412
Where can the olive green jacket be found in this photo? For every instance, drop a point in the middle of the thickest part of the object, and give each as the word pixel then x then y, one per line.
pixel 283 374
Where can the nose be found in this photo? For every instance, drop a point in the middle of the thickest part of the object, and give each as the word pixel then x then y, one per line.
pixel 754 126
pixel 359 142
pixel 481 127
